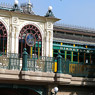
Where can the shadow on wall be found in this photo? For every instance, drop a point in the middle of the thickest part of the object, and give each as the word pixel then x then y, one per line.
pixel 73 93
pixel 76 90
pixel 78 93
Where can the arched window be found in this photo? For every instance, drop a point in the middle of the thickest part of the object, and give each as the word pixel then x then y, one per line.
pixel 30 38
pixel 3 39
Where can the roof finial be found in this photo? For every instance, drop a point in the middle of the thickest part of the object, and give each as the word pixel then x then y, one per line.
pixel 29 7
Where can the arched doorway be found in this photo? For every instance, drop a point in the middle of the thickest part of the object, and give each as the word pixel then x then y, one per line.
pixel 3 38
pixel 30 38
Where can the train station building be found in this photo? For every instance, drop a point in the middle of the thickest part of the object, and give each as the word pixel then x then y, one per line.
pixel 39 57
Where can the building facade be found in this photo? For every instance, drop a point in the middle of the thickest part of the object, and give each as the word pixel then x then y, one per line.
pixel 36 55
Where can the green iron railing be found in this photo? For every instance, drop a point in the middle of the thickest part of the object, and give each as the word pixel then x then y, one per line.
pixel 10 61
pixel 45 64
pixel 42 64
pixel 13 61
pixel 78 69
pixel 74 68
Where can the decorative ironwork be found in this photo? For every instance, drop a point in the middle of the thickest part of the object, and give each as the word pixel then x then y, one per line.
pixel 5 5
pixel 78 69
pixel 10 61
pixel 46 64
pixel 3 38
pixel 30 36
pixel 43 64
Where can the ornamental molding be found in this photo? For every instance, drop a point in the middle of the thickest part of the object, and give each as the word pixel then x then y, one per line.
pixel 15 20
pixel 5 24
pixel 31 23
pixel 6 20
pixel 41 25
pixel 49 25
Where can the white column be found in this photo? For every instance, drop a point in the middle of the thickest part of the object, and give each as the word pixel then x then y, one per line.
pixel 16 43
pixel 16 39
pixel 49 38
pixel 12 42
pixel 47 44
pixel 50 43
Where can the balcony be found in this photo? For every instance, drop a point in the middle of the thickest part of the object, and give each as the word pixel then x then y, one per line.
pixel 14 62
pixel 44 70
pixel 46 64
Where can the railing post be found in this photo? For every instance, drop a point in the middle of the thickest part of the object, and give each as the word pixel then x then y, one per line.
pixel 24 61
pixel 55 66
pixel 59 63
pixel 45 65
pixel 9 66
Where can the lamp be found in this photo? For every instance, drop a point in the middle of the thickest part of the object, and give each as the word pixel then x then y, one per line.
pixel 49 13
pixel 16 2
pixel 50 8
pixel 55 91
pixel 15 7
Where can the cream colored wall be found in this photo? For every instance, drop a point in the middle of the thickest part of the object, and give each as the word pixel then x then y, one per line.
pixel 15 22
pixel 48 38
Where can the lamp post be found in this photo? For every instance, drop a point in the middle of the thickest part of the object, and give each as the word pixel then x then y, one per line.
pixel 16 2
pixel 50 8
pixel 49 13
pixel 15 7
pixel 55 91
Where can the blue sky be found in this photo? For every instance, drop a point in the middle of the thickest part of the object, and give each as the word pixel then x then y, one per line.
pixel 72 12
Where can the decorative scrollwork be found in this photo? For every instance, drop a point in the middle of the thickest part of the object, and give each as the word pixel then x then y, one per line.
pixel 28 37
